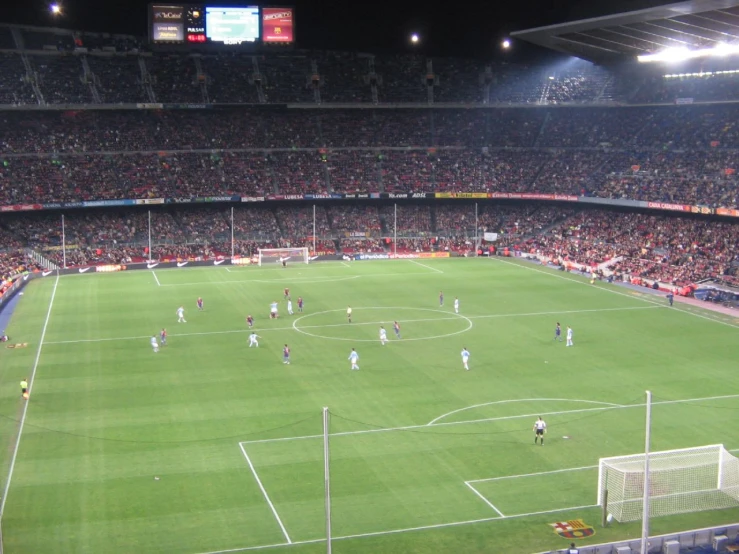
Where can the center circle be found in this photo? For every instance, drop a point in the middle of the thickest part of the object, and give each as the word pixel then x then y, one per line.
pixel 388 323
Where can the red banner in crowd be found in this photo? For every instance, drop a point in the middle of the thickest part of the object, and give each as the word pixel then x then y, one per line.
pixel 20 208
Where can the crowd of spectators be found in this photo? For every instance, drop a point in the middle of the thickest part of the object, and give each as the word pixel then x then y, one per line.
pixel 641 247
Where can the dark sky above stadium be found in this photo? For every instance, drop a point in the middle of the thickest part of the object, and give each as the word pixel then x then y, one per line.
pixel 472 29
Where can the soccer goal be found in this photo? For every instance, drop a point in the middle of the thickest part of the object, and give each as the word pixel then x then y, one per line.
pixel 267 255
pixel 680 481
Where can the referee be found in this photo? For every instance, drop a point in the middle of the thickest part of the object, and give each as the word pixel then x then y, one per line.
pixel 24 387
pixel 539 429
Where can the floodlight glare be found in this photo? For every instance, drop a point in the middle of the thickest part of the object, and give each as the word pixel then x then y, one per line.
pixel 683 53
pixel 506 44
pixel 414 38
pixel 56 9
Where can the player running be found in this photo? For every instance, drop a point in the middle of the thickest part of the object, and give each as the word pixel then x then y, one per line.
pixel 539 429
pixel 670 297
pixel 163 337
pixel 273 311
pixel 24 387
pixel 287 293
pixel 300 303
pixel 349 313
pixel 181 315
pixel 569 337
pixel 200 304
pixel 286 355
pixel 441 298
pixel 558 332
pixel 354 358
pixel 154 344
pixel 383 336
pixel 456 305
pixel 250 321
pixel 253 340
pixel 289 307
pixel 396 328
pixel 465 358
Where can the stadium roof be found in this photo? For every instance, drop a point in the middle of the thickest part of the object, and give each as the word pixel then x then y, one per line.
pixel 692 24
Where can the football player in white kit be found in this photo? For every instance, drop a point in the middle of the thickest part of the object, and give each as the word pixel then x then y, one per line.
pixel 569 337
pixel 465 358
pixel 289 306
pixel 181 315
pixel 354 358
pixel 456 305
pixel 383 336
pixel 154 344
pixel 253 340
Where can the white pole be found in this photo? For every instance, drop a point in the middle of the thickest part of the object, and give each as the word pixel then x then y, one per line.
pixel 327 479
pixel 314 229
pixel 645 502
pixel 395 232
pixel 149 235
pixel 477 238
pixel 64 245
pixel 232 233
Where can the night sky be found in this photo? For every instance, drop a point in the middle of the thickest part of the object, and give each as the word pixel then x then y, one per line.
pixel 470 29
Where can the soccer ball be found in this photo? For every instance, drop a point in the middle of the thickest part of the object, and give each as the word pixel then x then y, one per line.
pixel 609 518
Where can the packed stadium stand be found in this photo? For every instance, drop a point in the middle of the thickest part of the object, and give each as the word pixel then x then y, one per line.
pixel 113 121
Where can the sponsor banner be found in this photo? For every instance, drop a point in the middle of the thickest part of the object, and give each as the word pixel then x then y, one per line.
pixel 217 199
pixel 277 25
pixel 418 255
pixel 284 197
pixel 21 208
pixel 702 210
pixel 727 211
pixel 357 195
pixel 59 248
pixel 240 261
pixel 58 205
pixel 612 202
pixel 433 254
pixel 670 207
pixel 143 201
pixel 109 268
pixel 356 234
pixel 332 196
pixel 462 195
pixel 149 106
pixel 371 257
pixel 533 196
pixel 103 203
pixel 252 198
pixel 681 101
pixel 188 106
pixel 490 237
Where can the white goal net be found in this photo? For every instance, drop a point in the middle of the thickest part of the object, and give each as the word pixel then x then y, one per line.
pixel 680 481
pixel 277 255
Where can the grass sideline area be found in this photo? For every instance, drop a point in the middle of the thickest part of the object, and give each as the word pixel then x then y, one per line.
pixel 210 446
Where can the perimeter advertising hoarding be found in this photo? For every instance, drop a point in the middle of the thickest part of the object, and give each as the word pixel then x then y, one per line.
pixel 278 25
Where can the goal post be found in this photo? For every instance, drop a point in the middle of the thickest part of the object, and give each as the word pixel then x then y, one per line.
pixel 275 255
pixel 680 481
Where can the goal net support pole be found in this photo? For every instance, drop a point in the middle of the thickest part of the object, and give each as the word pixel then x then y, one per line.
pixel 327 479
pixel 267 255
pixel 647 480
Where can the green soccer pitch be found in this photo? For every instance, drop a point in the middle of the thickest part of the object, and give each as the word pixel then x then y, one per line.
pixel 211 446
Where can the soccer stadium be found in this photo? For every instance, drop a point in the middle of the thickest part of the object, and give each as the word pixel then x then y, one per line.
pixel 260 298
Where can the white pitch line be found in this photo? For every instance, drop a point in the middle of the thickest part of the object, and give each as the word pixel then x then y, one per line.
pixel 637 296
pixel 266 496
pixel 532 474
pixel 345 264
pixel 426 266
pixel 238 281
pixel 357 324
pixel 154 273
pixel 499 418
pixel 522 400
pixel 485 500
pixel 26 402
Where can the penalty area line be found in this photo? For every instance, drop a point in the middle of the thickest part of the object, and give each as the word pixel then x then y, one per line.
pixel 266 496
pixel 154 273
pixel 485 500
pixel 426 266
